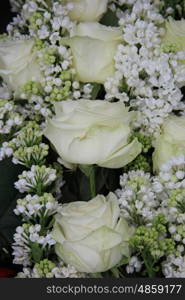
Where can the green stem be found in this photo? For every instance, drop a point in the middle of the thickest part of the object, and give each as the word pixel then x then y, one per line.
pixel 149 266
pixel 92 182
pixel 116 273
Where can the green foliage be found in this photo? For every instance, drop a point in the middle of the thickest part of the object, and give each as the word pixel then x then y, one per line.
pixel 36 252
pixel 109 19
pixel 124 86
pixel 95 91
pixel 140 163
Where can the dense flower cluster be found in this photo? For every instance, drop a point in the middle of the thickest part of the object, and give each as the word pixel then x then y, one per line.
pixel 144 199
pixel 47 269
pixel 146 76
pixel 90 90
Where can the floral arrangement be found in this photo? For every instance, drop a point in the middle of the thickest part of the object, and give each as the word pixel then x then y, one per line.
pixel 92 138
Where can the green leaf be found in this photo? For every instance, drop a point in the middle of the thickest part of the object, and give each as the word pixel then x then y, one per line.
pixel 86 169
pixel 95 90
pixel 116 273
pixel 84 188
pixel 109 19
pixel 36 252
pixel 90 173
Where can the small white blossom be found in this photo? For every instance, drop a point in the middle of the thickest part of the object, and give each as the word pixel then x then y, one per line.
pixel 174 267
pixel 134 265
pixel 29 180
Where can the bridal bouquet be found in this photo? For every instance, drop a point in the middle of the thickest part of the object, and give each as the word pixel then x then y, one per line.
pixel 92 139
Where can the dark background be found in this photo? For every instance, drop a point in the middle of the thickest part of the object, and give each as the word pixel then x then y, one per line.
pixel 5 15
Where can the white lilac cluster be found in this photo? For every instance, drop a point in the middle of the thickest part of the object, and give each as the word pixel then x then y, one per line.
pixel 134 265
pixel 174 267
pixel 138 198
pixel 48 269
pixel 172 174
pixel 33 239
pixel 31 155
pixel 37 106
pixel 33 206
pixel 35 180
pixel 16 5
pixel 145 75
pixel 59 82
pixel 10 118
pixel 26 146
pixel 43 22
pixel 21 250
pixel 143 197
pixel 26 236
pixel 27 136
pixel 5 151
pixel 47 24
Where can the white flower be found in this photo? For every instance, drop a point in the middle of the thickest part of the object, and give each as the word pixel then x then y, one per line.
pixel 93 132
pixel 171 142
pixel 87 10
pixel 90 235
pixel 29 180
pixel 18 62
pixel 174 267
pixel 93 48
pixel 43 33
pixel 134 265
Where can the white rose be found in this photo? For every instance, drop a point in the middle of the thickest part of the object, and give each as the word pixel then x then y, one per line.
pixel 87 10
pixel 91 236
pixel 18 63
pixel 93 48
pixel 174 37
pixel 93 132
pixel 171 142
